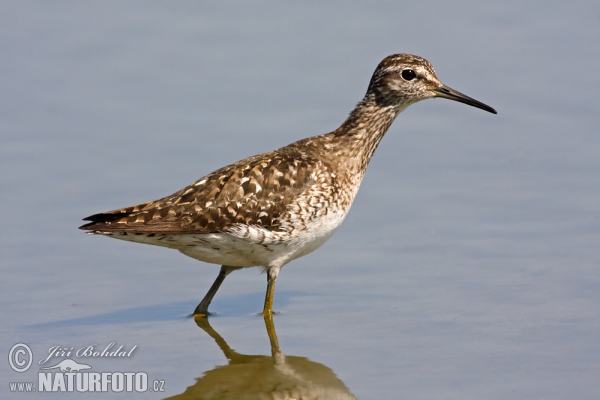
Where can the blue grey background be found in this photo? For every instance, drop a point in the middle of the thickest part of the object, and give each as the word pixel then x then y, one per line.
pixel 468 267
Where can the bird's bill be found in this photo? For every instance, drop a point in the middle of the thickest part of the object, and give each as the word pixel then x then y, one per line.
pixel 451 94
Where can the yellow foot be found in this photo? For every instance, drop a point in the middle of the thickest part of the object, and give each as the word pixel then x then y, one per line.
pixel 268 314
pixel 200 319
pixel 203 314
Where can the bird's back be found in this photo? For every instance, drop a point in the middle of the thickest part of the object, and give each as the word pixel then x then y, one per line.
pixel 290 197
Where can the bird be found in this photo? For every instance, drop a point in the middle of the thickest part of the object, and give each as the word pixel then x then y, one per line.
pixel 272 208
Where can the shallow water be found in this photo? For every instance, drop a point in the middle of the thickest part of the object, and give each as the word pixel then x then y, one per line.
pixel 468 267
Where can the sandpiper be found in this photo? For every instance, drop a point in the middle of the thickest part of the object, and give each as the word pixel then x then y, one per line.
pixel 269 209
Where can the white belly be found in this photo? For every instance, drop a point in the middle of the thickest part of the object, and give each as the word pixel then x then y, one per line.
pixel 245 246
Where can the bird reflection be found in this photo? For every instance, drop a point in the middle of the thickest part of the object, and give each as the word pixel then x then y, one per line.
pixel 264 377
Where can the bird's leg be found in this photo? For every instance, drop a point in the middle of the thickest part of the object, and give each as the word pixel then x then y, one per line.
pixel 271 278
pixel 202 308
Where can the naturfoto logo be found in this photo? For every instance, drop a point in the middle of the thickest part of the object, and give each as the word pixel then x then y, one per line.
pixel 68 375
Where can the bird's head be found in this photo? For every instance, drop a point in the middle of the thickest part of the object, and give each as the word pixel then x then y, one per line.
pixel 404 79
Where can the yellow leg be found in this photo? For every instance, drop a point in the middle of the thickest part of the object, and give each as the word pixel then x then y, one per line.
pixel 271 279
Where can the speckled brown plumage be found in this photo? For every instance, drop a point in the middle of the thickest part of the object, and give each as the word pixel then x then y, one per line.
pixel 254 191
pixel 271 208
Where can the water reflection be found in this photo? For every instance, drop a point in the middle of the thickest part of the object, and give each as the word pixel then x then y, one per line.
pixel 264 377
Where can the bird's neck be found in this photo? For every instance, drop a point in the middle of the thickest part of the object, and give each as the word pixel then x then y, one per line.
pixel 358 137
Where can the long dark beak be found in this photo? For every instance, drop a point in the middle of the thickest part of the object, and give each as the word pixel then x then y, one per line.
pixel 448 93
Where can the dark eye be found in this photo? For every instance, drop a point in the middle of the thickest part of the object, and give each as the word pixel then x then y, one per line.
pixel 408 74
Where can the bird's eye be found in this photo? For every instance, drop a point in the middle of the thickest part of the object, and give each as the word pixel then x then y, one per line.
pixel 408 74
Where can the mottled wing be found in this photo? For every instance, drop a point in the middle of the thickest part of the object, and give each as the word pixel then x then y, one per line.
pixel 254 191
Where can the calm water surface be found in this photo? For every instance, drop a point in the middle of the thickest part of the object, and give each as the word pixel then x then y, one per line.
pixel 468 268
